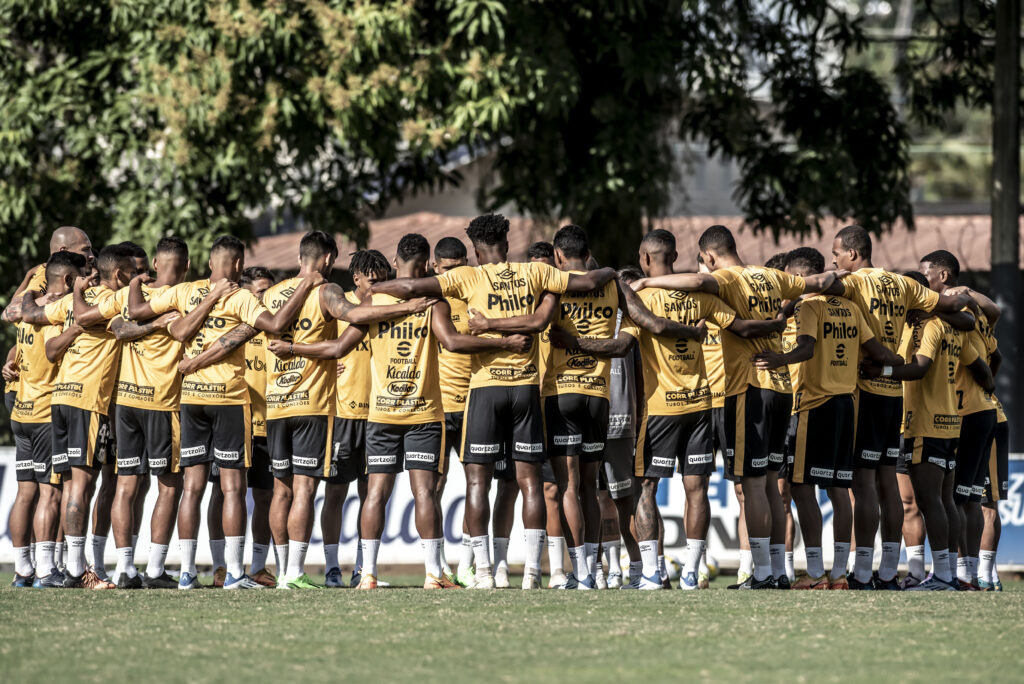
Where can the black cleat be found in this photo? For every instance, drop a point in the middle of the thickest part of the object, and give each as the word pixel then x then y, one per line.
pixel 164 581
pixel 782 582
pixel 72 582
pixel 856 585
pixel 751 583
pixel 886 585
pixel 126 582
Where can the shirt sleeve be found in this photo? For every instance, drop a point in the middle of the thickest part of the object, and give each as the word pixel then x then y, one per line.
pixel 628 327
pixel 457 282
pixel 51 331
pixel 931 339
pixel 862 324
pixel 57 311
pixel 107 304
pixel 918 296
pixel 170 299
pixel 549 278
pixel 792 286
pixel 968 351
pixel 807 315
pixel 717 310
pixel 247 307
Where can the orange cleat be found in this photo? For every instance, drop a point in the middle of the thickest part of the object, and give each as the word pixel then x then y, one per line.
pixel 264 577
pixel 90 580
pixel 439 583
pixel 839 583
pixel 219 575
pixel 805 581
pixel 367 582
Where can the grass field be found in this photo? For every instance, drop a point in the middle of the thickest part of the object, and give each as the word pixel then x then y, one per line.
pixel 408 635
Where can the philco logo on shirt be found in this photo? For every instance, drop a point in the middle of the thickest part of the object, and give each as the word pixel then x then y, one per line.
pixel 508 282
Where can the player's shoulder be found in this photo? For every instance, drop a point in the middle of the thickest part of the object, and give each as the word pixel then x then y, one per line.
pixel 381 299
pixel 284 289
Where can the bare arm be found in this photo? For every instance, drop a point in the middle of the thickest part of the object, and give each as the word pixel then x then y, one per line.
pixel 803 351
pixel 996 361
pixel 12 314
pixel 821 282
pixel 988 307
pixel 591 280
pixel 334 302
pixel 31 310
pixel 226 343
pixel 657 325
pixel 56 346
pixel 328 349
pixel 279 323
pixel 453 340
pixel 126 331
pixel 527 324
pixel 687 282
pixel 914 370
pixel 961 320
pixel 605 347
pixel 407 288
pixel 875 350
pixel 982 375
pixel 747 328
pixel 951 303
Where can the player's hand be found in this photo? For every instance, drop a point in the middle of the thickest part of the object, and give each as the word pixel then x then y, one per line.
pixel 280 348
pixel 187 365
pixel 478 323
pixel 341 368
pixel 9 371
pixel 313 280
pixel 562 338
pixel 638 284
pixel 702 330
pixel 841 273
pixel 767 360
pixel 869 370
pixel 518 343
pixel 223 288
pixel 143 278
pixel 164 320
pixel 82 283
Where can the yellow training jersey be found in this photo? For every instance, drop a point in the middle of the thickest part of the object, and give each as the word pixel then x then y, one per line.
pixel 405 387
pixel 37 374
pixel 38 280
pixel 929 404
pixel 970 397
pixel 504 290
pixel 675 377
pixel 149 376
pixel 455 369
pixel 885 299
pixel 354 382
pixel 222 383
pixel 839 329
pixel 588 315
pixel 256 380
pixel 299 386
pixel 989 333
pixel 755 293
pixel 714 364
pixel 88 371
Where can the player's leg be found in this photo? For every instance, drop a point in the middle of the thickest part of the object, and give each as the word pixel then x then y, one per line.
pixel 19 521
pixel 777 410
pixel 697 463
pixel 527 446
pixel 335 493
pixel 196 461
pixel 611 540
pixel 913 523
pixel 746 430
pixel 132 467
pixel 312 446
pixel 371 519
pixel 988 577
pixel 590 417
pixel 953 516
pixel 812 466
pixel 839 492
pixel 260 480
pixel 927 475
pixel 618 472
pixel 591 513
pixel 503 520
pixel 453 443
pixel 567 481
pixel 45 522
pixel 483 445
pixel 425 456
pixel 99 530
pixel 554 528
pixel 996 490
pixel 215 527
pixel 869 444
pixel 787 507
pixel 168 494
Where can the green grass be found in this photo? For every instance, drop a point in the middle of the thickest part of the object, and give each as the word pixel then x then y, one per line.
pixel 410 635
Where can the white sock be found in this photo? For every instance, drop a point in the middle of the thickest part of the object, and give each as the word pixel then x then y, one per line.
pixel 962 573
pixel 482 554
pixel 694 551
pixel 217 552
pixel 986 563
pixel 60 552
pixel 862 563
pixel 746 562
pixel 157 557
pixel 281 558
pixel 135 543
pixel 259 557
pixel 556 554
pixel 578 559
pixel 296 559
pixel 760 550
pixel 234 552
pixel 445 568
pixel 124 562
pixel 32 553
pixel 500 553
pixel 815 563
pixel 188 555
pixel 370 548
pixel 76 555
pixel 636 568
pixel 44 558
pixel 330 557
pixel 790 567
pixel 534 550
pixel 649 559
pixel 23 560
pixel 840 559
pixel 777 554
pixel 940 565
pixel 432 556
pixel 466 552
pixel 90 557
pixel 612 556
pixel 359 557
pixel 952 563
pixel 890 561
pixel 99 547
pixel 662 568
pixel 915 561
pixel 703 567
pixel 972 568
pixel 590 550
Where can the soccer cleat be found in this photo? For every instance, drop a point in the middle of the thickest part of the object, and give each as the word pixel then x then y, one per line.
pixel 752 583
pixel 355 579
pixel 965 586
pixel 164 581
pixel 782 582
pixel 805 582
pixel 998 585
pixel 266 578
pixel 703 580
pixel 599 579
pixel 243 582
pixel 933 583
pixel 531 581
pixel 23 581
pixel 885 585
pixel 55 580
pixel 126 582
pixel 838 583
pixel 483 581
pixel 652 583
pixel 219 574
pixel 87 580
pixel 570 582
pixel 557 580
pixel 303 582
pixel 367 582
pixel 742 577
pixel 615 580
pixel 188 581
pixel 587 583
pixel 465 576
pixel 689 582
pixel 909 582
pixel 501 578
pixel 857 585
pixel 101 573
pixel 983 585
pixel 441 582
pixel 333 580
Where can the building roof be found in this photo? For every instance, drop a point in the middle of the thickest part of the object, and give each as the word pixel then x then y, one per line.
pixel 966 236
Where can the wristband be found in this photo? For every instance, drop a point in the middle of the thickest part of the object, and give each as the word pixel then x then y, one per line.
pixel 291 351
pixel 886 371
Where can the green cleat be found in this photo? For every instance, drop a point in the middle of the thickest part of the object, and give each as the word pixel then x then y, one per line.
pixel 303 582
pixel 465 577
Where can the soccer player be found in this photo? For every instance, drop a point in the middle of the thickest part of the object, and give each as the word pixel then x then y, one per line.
pixel 37 505
pixel 64 239
pixel 215 419
pixel 757 403
pixel 504 408
pixel 885 299
pixel 828 333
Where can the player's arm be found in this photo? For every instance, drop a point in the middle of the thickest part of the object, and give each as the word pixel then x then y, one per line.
pixel 215 353
pixel 605 347
pixel 803 351
pixel 591 280
pixel 126 331
pixel 914 369
pixel 748 328
pixel 408 288
pixel 334 302
pixel 687 282
pixel 824 283
pixel 184 328
pixel 995 361
pixel 634 307
pixel 280 322
pixel 12 313
pixel 961 320
pixel 877 352
pixel 452 340
pixel 982 374
pixel 326 350
pixel 988 307
pixel 527 324
pixel 33 308
pixel 57 345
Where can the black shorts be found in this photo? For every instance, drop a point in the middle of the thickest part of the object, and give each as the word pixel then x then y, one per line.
pixel 977 434
pixel 500 418
pixel 934 450
pixel 394 448
pixel 261 474
pixel 664 440
pixel 33 457
pixel 9 399
pixel 877 440
pixel 547 473
pixel 577 425
pixel 617 468
pixel 997 473
pixel 149 442
pixel 301 445
pixel 348 461
pixel 822 444
pixel 453 431
pixel 216 434
pixel 81 439
pixel 755 431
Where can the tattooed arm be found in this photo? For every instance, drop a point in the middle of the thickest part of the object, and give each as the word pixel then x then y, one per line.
pixel 328 349
pixel 605 347
pixel 126 331
pixel 525 324
pixel 334 302
pixel 12 314
pixel 657 325
pixel 218 351
pixel 56 346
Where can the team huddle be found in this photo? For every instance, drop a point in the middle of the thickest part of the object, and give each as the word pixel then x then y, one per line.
pixel 574 387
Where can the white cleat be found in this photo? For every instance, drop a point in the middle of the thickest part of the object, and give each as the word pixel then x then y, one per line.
pixel 483 581
pixel 650 583
pixel 587 583
pixel 615 580
pixel 600 580
pixel 556 580
pixel 570 582
pixel 501 578
pixel 531 581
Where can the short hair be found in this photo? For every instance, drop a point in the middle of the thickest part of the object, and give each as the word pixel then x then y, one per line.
pixel 63 261
pixel 368 262
pixel 806 257
pixel 917 277
pixel 540 250
pixel 253 273
pixel 113 257
pixel 717 239
pixel 857 239
pixel 659 241
pixel 943 259
pixel 173 245
pixel 489 229
pixel 778 261
pixel 628 274
pixel 137 251
pixel 316 244
pixel 450 248
pixel 228 243
pixel 413 246
pixel 572 240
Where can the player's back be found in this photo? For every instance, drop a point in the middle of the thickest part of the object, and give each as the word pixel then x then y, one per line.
pixel 839 329
pixel 930 403
pixel 584 314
